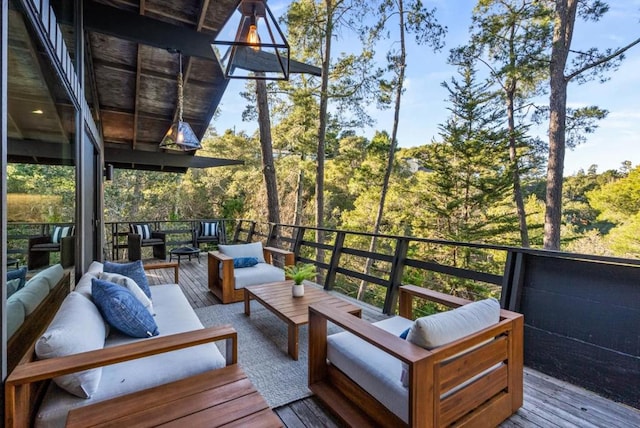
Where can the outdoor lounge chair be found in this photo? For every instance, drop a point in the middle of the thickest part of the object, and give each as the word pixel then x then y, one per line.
pixel 39 248
pixel 226 282
pixel 370 376
pixel 209 232
pixel 141 235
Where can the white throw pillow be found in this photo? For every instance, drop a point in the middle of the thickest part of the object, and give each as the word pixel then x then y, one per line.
pixel 77 327
pixel 243 250
pixel 445 327
pixel 130 285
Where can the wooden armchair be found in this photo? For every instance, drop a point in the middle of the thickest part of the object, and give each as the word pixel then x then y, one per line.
pixel 222 275
pixel 40 247
pixel 141 235
pixel 474 381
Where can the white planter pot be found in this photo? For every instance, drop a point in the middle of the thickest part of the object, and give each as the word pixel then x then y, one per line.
pixel 297 290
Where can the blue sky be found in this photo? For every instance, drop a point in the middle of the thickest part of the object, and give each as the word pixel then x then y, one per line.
pixel 424 107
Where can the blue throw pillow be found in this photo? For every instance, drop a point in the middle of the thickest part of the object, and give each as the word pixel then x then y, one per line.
pixel 405 333
pixel 243 262
pixel 133 270
pixel 18 273
pixel 122 310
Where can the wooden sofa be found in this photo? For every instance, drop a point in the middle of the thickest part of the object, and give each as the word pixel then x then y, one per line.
pixel 221 273
pixel 457 384
pixel 28 381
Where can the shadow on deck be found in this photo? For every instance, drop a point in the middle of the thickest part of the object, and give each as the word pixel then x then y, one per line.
pixel 548 402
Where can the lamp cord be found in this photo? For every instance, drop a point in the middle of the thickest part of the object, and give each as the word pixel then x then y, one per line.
pixel 180 97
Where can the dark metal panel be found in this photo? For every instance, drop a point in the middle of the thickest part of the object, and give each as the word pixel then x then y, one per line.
pixel 4 25
pixel 581 320
pixel 607 372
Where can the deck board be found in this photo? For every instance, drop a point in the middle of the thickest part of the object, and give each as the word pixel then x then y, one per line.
pixel 548 402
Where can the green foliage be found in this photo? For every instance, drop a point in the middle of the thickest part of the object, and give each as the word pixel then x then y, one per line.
pixel 300 272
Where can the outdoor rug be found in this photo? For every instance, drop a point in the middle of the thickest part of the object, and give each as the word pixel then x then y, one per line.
pixel 262 350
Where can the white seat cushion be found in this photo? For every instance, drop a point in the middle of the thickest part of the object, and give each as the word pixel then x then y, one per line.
pixel 261 273
pixel 374 370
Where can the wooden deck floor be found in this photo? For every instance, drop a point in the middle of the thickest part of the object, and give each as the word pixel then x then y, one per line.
pixel 548 402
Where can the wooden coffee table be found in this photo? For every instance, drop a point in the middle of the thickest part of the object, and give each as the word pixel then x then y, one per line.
pixel 293 310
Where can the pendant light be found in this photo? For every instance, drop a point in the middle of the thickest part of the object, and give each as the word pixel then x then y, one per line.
pixel 251 45
pixel 180 136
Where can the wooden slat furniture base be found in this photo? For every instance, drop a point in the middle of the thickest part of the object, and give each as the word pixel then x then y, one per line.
pixel 294 311
pixel 221 397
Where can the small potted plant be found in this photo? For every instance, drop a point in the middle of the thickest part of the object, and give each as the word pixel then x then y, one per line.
pixel 299 273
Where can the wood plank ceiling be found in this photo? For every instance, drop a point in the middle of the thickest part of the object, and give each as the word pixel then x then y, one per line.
pixel 131 68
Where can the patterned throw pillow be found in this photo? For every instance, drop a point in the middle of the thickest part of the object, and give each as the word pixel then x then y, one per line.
pixel 208 229
pixel 130 285
pixel 18 273
pixel 144 230
pixel 133 270
pixel 60 232
pixel 122 310
pixel 243 262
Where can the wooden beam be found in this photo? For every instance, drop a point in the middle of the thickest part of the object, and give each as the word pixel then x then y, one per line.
pixel 31 151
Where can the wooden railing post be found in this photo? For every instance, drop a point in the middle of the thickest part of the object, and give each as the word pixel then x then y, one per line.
pixel 335 260
pixel 395 279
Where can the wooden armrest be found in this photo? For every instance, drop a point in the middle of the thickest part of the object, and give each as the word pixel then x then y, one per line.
pixel 434 296
pixel 221 257
pixel 165 265
pixel 289 257
pixel 390 343
pixel 50 368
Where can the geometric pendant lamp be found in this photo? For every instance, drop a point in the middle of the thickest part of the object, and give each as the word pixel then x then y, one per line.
pixel 251 45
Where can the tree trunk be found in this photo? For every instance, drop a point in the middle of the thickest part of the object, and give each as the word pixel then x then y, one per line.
pixel 322 129
pixel 513 157
pixel 400 67
pixel 562 33
pixel 297 219
pixel 268 167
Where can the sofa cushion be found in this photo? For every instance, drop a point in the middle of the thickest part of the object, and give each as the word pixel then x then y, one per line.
pixel 20 274
pixel 439 329
pixel 15 316
pixel 244 262
pixel 77 327
pixel 174 315
pixel 122 310
pixel 133 270
pixel 130 285
pixel 376 371
pixel 95 267
pixel 52 274
pixel 84 285
pixel 32 294
pixel 243 250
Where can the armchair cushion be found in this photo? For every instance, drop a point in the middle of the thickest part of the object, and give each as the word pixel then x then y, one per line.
pixel 122 310
pixel 208 228
pixel 439 329
pixel 243 250
pixel 261 273
pixel 144 230
pixel 375 371
pixel 66 336
pixel 60 232
pixel 244 262
pixel 133 270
